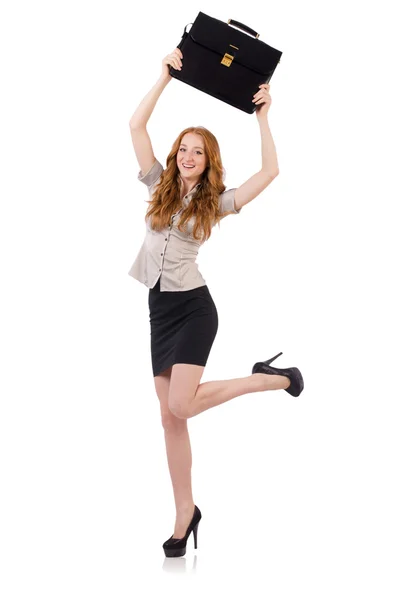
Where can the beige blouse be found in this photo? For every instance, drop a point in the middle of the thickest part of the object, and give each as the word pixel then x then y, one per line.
pixel 171 254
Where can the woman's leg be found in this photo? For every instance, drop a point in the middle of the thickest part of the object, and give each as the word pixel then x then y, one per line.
pixel 179 456
pixel 188 397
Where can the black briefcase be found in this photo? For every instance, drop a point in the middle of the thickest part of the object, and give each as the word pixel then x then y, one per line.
pixel 225 63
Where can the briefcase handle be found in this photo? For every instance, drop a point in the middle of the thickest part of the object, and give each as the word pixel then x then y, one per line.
pixel 243 27
pixel 231 22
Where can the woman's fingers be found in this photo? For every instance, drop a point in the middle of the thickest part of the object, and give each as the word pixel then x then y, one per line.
pixel 177 57
pixel 174 60
pixel 263 89
pixel 178 54
pixel 261 97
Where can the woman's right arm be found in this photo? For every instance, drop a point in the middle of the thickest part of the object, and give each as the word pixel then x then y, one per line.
pixel 139 135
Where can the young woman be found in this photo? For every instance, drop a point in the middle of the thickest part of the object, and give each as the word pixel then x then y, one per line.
pixel 186 200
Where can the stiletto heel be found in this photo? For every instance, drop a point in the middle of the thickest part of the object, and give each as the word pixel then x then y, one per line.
pixel 195 536
pixel 268 362
pixel 177 546
pixel 294 375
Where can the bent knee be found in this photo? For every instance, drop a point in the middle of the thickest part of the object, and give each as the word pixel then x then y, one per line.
pixel 180 410
pixel 172 423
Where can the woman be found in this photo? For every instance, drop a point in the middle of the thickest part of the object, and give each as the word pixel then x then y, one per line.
pixel 186 200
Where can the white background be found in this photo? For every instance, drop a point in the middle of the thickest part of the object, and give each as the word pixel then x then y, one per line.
pixel 298 495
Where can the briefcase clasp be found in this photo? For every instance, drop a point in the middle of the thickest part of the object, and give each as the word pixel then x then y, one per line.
pixel 227 60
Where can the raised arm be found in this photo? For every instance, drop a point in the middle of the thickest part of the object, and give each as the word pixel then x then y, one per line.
pixel 259 181
pixel 139 135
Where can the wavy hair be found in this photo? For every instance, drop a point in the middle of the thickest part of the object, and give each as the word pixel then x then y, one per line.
pixel 203 207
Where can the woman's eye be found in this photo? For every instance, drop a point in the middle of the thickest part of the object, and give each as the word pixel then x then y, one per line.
pixel 198 151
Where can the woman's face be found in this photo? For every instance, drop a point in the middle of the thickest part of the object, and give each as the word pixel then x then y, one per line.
pixel 191 158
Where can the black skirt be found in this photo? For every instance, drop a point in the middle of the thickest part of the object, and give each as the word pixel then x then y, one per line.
pixel 183 326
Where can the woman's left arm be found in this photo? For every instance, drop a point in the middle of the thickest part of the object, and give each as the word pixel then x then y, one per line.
pixel 258 182
pixel 269 156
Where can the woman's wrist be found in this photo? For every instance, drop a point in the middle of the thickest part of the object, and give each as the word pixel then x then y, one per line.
pixel 262 117
pixel 164 78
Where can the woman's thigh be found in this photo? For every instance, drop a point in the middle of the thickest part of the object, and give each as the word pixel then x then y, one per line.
pixel 162 385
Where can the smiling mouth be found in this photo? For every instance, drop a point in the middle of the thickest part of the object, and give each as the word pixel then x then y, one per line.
pixel 188 166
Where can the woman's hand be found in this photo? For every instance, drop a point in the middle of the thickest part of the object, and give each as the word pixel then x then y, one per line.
pixel 175 60
pixel 263 100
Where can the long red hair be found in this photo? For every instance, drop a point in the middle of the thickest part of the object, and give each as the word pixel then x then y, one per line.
pixel 203 207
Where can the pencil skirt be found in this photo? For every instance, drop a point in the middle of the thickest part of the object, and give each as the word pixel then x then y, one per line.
pixel 183 326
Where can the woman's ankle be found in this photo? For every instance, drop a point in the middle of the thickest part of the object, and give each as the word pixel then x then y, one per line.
pixel 185 508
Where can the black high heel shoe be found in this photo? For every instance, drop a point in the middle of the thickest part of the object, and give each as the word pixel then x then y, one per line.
pixel 177 546
pixel 293 374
